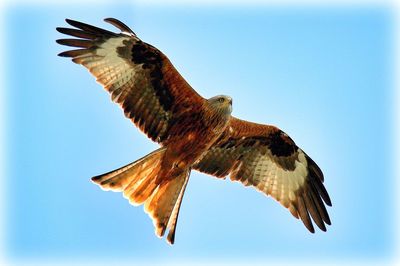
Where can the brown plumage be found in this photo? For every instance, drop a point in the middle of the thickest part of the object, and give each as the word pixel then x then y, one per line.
pixel 194 133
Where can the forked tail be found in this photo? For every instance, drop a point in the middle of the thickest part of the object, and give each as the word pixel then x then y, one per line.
pixel 139 184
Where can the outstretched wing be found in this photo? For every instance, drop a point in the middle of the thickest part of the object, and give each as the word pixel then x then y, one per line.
pixel 137 75
pixel 266 158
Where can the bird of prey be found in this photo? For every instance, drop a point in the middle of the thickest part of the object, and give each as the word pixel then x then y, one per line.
pixel 194 133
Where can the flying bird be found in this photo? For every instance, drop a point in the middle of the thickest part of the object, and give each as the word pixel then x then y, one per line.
pixel 194 133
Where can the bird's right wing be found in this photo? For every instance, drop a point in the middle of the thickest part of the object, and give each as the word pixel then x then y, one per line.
pixel 264 157
pixel 138 76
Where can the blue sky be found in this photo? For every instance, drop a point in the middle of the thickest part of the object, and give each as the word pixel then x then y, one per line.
pixel 323 75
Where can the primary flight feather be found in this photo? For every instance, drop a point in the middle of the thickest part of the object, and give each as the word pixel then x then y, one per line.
pixel 194 133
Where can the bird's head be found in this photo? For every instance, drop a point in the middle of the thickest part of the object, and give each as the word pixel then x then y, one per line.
pixel 221 103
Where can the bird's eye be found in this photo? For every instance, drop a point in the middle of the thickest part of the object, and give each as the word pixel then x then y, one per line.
pixel 221 100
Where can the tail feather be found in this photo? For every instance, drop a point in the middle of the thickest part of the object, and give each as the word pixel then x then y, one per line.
pixel 139 192
pixel 175 213
pixel 163 206
pixel 130 175
pixel 116 180
pixel 141 184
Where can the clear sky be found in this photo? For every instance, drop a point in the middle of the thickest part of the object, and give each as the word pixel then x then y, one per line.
pixel 323 75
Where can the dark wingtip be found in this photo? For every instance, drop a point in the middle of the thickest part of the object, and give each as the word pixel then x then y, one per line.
pixel 328 222
pixel 64 54
pixel 120 25
pixel 110 20
pixel 90 29
pixel 322 227
pixel 70 21
pixel 308 224
pixel 81 43
pixel 311 229
pixel 328 200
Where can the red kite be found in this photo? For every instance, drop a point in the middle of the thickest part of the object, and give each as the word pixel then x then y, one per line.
pixel 193 132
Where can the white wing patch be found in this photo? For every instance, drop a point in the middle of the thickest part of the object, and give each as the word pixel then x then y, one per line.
pixel 270 178
pixel 110 70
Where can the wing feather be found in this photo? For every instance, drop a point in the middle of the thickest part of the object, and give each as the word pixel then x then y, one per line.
pixel 266 158
pixel 139 77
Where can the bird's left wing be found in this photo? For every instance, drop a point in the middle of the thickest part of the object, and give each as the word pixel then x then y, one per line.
pixel 139 77
pixel 266 158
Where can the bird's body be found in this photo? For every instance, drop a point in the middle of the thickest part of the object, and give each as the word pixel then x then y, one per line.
pixel 192 137
pixel 194 133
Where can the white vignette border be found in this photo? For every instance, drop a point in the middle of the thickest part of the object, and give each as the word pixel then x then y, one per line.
pixel 395 260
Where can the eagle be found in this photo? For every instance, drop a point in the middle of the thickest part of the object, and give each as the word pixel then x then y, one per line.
pixel 194 133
